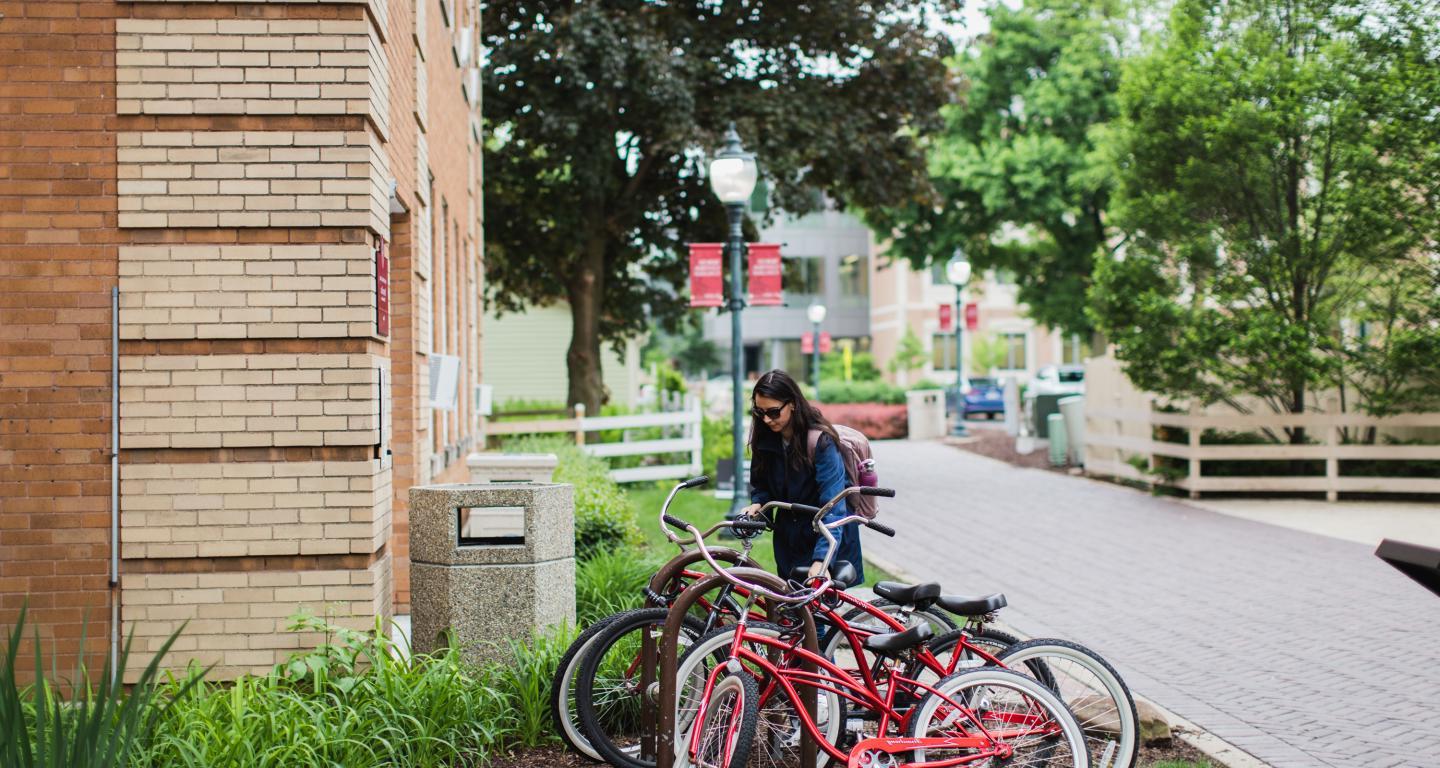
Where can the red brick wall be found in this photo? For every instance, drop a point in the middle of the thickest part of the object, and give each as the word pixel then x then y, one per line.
pixel 57 265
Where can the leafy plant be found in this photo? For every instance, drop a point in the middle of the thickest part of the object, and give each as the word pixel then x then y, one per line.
pixel 841 391
pixel 910 354
pixel 862 367
pixel 611 581
pixel 97 726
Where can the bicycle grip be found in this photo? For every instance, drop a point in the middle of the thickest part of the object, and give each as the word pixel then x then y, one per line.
pixel 805 509
pixel 885 529
pixel 753 526
pixel 888 493
pixel 695 482
pixel 675 521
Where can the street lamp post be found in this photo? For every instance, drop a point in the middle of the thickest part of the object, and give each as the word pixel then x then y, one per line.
pixel 958 272
pixel 732 176
pixel 816 313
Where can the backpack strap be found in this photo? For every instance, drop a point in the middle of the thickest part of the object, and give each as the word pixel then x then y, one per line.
pixel 813 439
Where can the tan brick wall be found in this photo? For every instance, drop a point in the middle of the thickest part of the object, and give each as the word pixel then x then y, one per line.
pixel 179 179
pixel 238 620
pixel 251 67
pixel 214 401
pixel 247 291
pixel 254 509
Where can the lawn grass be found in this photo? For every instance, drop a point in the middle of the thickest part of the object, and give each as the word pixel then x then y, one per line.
pixel 700 507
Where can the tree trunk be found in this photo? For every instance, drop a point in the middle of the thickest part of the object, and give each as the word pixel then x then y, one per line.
pixel 586 291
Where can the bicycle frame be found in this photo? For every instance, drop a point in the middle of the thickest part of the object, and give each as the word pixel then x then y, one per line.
pixel 832 679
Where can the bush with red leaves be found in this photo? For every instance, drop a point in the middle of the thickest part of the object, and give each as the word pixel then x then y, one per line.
pixel 876 421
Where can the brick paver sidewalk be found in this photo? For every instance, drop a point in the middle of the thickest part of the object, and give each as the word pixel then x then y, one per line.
pixel 1300 649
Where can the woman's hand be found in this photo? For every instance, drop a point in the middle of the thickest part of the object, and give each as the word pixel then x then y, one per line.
pixel 817 568
pixel 751 511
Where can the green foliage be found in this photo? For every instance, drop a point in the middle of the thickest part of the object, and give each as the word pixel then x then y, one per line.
pixel 862 366
pixel 87 723
pixel 840 391
pixel 359 699
pixel 987 352
pixel 598 135
pixel 611 581
pixel 603 516
pixel 1277 165
pixel 684 346
pixel 910 354
pixel 718 440
pixel 1019 187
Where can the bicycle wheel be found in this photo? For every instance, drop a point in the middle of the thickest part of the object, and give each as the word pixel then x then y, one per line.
pixel 777 740
pixel 562 698
pixel 727 729
pixel 607 689
pixel 1093 691
pixel 1022 717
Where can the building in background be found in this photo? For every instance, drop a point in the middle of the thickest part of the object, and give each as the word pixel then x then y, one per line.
pixel 288 198
pixel 1006 343
pixel 827 259
pixel 525 354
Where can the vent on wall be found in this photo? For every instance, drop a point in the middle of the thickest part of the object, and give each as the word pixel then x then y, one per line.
pixel 444 382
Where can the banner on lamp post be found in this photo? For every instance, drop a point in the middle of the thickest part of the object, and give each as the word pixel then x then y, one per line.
pixel 807 343
pixel 947 318
pixel 972 316
pixel 707 282
pixel 765 269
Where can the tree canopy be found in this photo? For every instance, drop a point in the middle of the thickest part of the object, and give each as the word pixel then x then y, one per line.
pixel 599 117
pixel 1013 168
pixel 1278 166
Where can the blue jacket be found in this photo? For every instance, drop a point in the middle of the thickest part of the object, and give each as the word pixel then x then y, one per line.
pixel 773 479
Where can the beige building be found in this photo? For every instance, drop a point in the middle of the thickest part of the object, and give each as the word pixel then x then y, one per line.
pixel 905 298
pixel 287 197
pixel 525 359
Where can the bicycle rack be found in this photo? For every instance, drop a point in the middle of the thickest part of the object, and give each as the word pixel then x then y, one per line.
pixel 665 748
pixel 659 584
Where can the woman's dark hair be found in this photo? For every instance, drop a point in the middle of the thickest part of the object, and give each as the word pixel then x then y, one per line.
pixel 777 385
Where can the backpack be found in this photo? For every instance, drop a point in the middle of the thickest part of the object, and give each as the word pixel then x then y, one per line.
pixel 854 452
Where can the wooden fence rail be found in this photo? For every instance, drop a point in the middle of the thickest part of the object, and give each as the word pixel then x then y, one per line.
pixel 689 418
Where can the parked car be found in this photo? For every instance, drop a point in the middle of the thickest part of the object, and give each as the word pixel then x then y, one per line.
pixel 984 395
pixel 1058 380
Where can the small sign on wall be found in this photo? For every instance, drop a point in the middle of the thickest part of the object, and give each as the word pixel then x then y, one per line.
pixel 382 288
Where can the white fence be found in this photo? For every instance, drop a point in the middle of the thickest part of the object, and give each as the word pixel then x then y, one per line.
pixel 1120 424
pixel 686 421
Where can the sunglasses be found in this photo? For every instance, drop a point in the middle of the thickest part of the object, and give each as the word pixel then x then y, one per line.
pixel 772 414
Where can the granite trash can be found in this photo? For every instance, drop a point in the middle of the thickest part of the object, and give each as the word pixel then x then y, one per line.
pixel 490 562
pixel 511 467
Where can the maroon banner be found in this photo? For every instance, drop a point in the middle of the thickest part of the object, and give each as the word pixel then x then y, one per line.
pixel 707 281
pixel 972 316
pixel 382 289
pixel 947 318
pixel 807 344
pixel 765 269
pixel 825 342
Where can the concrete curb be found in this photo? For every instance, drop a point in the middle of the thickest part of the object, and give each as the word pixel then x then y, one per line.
pixel 1214 747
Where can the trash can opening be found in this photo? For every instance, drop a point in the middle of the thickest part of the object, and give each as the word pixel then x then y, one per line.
pixel 491 526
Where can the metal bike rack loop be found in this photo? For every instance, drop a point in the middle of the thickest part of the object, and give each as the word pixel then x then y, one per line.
pixel 665 751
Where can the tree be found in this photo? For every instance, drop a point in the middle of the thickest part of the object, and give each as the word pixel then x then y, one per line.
pixel 599 116
pixel 909 355
pixel 1278 167
pixel 987 352
pixel 1013 167
pixel 685 347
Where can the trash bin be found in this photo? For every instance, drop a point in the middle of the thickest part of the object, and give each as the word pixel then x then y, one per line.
pixel 1042 406
pixel 1055 428
pixel 511 467
pixel 1073 409
pixel 925 413
pixel 490 563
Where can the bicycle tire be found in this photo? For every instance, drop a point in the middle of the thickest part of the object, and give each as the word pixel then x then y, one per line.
pixel 593 725
pixel 956 686
pixel 562 708
pixel 734 726
pixel 1111 744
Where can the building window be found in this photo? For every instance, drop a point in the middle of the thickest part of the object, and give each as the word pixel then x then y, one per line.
pixel 1014 350
pixel 854 276
pixel 1073 350
pixel 804 276
pixel 942 357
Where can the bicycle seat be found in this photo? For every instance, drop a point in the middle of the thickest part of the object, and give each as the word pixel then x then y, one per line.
pixel 841 572
pixel 895 642
pixel 970 606
pixel 908 594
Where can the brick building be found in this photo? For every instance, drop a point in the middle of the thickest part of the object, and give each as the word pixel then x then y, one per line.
pixel 244 174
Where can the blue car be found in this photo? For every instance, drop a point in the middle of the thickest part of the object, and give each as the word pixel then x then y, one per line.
pixel 984 395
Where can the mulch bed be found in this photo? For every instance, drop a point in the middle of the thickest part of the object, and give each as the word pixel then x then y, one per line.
pixel 994 443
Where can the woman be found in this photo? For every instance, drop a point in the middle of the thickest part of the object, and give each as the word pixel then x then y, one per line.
pixel 782 469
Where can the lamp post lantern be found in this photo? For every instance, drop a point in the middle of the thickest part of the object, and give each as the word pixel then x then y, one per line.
pixel 816 313
pixel 957 271
pixel 732 175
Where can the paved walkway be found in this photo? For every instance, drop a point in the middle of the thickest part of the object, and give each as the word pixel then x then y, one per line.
pixel 1301 649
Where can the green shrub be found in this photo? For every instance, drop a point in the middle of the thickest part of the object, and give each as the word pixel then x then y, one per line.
pixel 604 518
pixel 862 366
pixel 717 442
pixel 610 582
pixel 840 391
